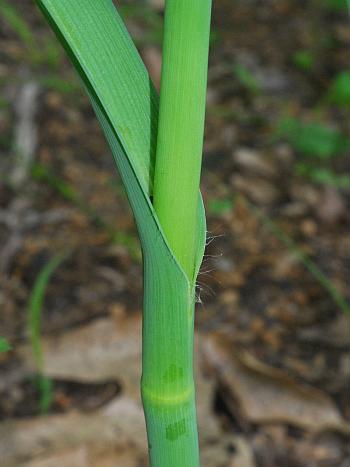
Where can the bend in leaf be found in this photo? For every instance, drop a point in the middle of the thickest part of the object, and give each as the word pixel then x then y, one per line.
pixel 128 102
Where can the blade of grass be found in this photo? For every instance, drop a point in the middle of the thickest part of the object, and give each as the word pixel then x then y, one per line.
pixel 37 53
pixel 35 308
pixel 13 18
pixel 4 345
pixel 310 265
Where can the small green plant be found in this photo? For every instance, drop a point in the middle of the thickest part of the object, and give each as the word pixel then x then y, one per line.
pixel 37 54
pixel 157 147
pixel 313 139
pixel 322 175
pixel 35 307
pixel 316 145
pixel 4 345
pixel 60 85
pixel 246 79
pixel 304 60
pixel 218 207
pixel 14 20
pixel 339 91
pixel 337 297
pixel 336 5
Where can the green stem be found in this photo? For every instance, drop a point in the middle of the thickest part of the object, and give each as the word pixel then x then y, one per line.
pixel 168 390
pixel 127 108
pixel 167 378
pixel 181 124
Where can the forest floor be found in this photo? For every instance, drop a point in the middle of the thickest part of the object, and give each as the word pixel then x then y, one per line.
pixel 272 322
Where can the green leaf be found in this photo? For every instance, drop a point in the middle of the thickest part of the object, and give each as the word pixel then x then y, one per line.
pixel 326 176
pixel 337 5
pixel 36 301
pixel 339 92
pixel 14 20
pixel 46 390
pixel 246 78
pixel 304 59
pixel 4 345
pixel 313 139
pixel 63 86
pixel 220 206
pixel 124 100
pixel 35 308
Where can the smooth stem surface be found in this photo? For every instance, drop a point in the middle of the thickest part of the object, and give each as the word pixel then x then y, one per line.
pixel 167 384
pixel 167 379
pixel 181 124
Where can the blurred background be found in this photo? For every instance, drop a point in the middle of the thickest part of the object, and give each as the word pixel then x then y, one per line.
pixel 272 322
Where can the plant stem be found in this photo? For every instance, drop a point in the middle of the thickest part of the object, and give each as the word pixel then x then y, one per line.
pixel 181 124
pixel 168 393
pixel 127 108
pixel 167 378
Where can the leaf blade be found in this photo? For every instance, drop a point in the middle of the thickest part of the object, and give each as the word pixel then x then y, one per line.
pixel 119 87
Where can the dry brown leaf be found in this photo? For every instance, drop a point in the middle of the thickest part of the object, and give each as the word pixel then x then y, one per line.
pixel 337 335
pixel 243 456
pixel 117 425
pixel 72 458
pixel 267 395
pixel 89 456
pixel 106 349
